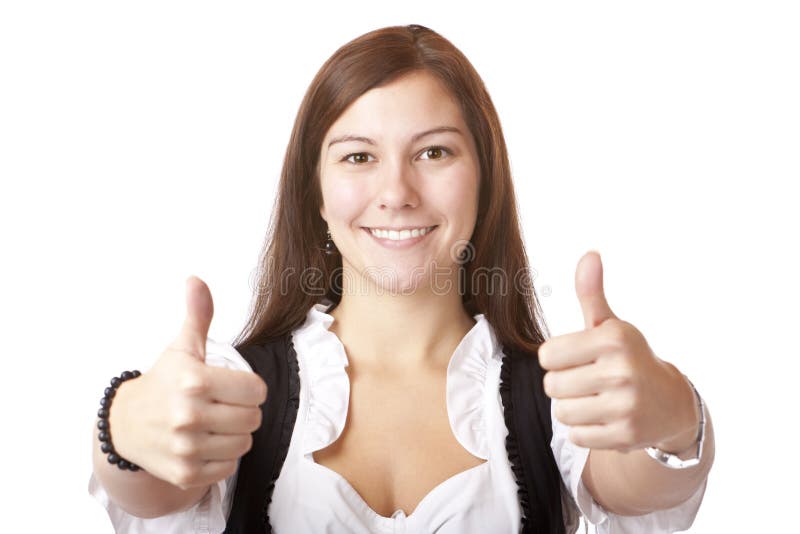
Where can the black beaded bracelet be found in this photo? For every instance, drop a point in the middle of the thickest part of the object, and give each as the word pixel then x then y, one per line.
pixel 103 426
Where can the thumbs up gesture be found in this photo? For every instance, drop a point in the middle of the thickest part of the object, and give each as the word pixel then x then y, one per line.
pixel 608 385
pixel 183 421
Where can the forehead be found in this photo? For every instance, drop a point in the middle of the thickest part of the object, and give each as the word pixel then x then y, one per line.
pixel 401 108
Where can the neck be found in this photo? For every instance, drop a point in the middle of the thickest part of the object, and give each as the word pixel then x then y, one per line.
pixel 401 332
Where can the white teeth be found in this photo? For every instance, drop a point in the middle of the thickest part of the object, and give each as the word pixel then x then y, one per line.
pixel 394 235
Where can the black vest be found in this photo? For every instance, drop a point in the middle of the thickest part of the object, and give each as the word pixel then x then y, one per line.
pixel 526 412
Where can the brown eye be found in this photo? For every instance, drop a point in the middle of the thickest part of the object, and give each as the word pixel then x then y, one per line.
pixel 361 157
pixel 436 152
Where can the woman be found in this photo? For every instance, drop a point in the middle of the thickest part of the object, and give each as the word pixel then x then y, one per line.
pixel 391 301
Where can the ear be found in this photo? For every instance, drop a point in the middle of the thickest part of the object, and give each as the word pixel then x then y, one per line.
pixel 322 213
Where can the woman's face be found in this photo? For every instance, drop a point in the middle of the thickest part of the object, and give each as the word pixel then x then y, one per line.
pixel 396 176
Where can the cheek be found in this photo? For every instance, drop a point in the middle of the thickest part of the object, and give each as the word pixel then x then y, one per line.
pixel 456 192
pixel 344 199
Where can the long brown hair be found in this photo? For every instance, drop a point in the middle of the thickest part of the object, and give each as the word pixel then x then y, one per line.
pixel 294 271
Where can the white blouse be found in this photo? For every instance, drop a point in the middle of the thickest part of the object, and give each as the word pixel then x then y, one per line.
pixel 311 498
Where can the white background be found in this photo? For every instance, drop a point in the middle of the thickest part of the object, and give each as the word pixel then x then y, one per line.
pixel 142 142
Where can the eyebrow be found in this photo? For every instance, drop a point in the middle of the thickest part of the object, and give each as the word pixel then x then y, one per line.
pixel 417 137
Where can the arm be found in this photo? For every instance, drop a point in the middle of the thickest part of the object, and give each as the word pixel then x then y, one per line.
pixel 187 421
pixel 634 484
pixel 140 493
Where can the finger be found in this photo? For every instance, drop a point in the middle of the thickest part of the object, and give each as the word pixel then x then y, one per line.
pixel 571 350
pixel 193 447
pixel 575 382
pixel 215 470
pixel 193 474
pixel 591 410
pixel 231 386
pixel 220 447
pixel 231 419
pixel 589 288
pixel 199 312
pixel 605 436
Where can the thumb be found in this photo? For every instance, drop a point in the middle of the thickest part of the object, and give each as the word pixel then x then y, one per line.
pixel 589 288
pixel 199 311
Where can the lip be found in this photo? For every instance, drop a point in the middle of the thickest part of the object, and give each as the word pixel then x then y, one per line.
pixel 405 243
pixel 399 228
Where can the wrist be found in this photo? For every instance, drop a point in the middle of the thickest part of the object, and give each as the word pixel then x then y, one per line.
pixel 108 418
pixel 684 443
pixel 118 417
pixel 678 457
pixel 687 411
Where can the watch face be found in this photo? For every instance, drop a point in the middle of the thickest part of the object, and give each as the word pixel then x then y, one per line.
pixel 672 461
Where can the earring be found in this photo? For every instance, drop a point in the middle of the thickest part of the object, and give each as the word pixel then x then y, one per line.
pixel 467 253
pixel 330 246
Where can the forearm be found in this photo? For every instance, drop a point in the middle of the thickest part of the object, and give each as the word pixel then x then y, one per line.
pixel 140 493
pixel 634 483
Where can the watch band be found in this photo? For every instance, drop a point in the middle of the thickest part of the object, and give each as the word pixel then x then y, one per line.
pixel 673 461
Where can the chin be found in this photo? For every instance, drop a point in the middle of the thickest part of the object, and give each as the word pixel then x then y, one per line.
pixel 394 281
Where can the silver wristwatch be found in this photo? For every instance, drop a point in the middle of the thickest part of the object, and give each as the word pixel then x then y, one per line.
pixel 674 462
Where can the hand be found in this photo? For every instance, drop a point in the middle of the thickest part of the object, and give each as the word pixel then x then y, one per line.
pixel 183 421
pixel 611 388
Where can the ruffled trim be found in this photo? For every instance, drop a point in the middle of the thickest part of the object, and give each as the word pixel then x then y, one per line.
pixel 325 363
pixel 324 367
pixel 512 446
pixel 289 419
pixel 466 382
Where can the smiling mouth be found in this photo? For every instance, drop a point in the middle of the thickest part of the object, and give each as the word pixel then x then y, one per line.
pixel 399 238
pixel 399 235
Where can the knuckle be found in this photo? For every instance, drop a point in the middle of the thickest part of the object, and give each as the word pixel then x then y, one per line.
pixel 184 447
pixel 626 406
pixel 620 374
pixel 559 412
pixel 261 390
pixel 230 468
pixel 618 380
pixel 247 444
pixel 186 417
pixel 617 333
pixel 544 355
pixel 576 437
pixel 184 475
pixel 194 383
pixel 549 383
pixel 255 421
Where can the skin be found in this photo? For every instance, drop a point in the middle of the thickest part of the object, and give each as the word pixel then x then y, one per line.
pixel 609 386
pixel 185 422
pixel 618 397
pixel 399 182
pixel 400 323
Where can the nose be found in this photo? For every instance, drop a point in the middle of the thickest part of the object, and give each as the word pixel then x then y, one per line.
pixel 397 187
